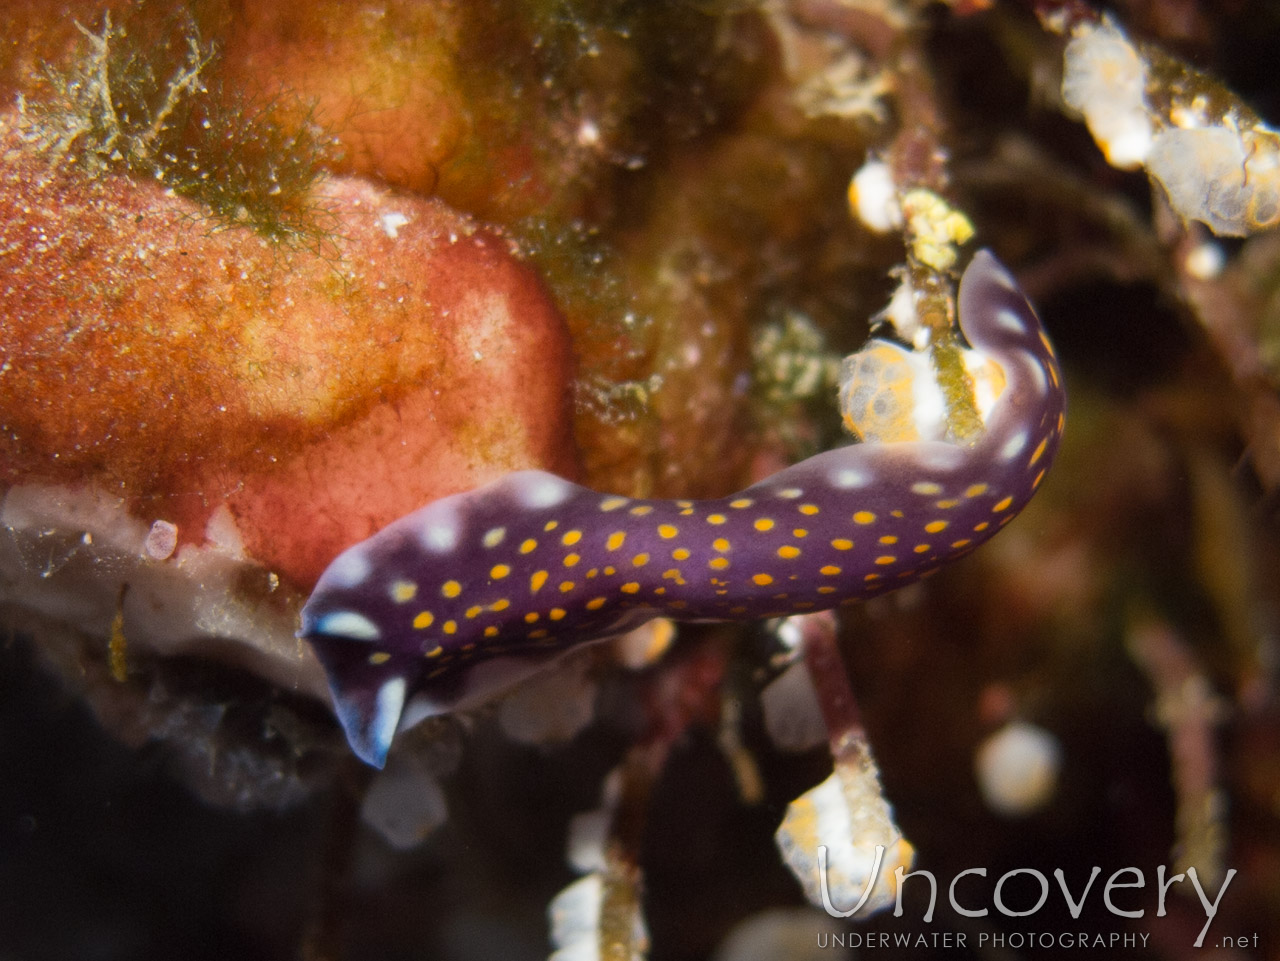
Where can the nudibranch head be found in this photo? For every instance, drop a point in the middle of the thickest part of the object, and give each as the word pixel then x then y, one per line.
pixel 451 603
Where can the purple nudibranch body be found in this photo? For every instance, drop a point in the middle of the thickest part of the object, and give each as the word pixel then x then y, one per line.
pixel 451 603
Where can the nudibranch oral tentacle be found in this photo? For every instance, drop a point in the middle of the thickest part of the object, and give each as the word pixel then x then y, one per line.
pixel 454 601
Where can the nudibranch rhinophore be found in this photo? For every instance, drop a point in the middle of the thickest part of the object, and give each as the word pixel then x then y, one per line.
pixel 455 601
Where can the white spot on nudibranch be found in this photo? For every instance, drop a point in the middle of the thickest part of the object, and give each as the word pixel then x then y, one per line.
pixel 439 537
pixel 848 479
pixel 1011 321
pixel 1014 446
pixel 350 568
pixel 387 716
pixel 538 489
pixel 348 624
pixel 439 526
pixel 1038 375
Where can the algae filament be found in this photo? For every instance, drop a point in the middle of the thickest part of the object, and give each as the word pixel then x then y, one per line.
pixel 142 97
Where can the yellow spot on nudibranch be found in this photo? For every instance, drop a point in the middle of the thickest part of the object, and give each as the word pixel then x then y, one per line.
pixel 379 657
pixel 531 617
pixel 613 503
pixel 827 589
pixel 889 539
pixel 609 570
pixel 864 517
pixel 885 559
pixel 920 548
pixel 491 631
pixel 740 503
pixel 571 537
pixel 799 532
pixel 790 493
pixel 536 580
pixel 540 632
pixel 557 613
pixel 631 587
pixel 434 652
pixel 616 540
pixel 596 603
pixel 1002 506
pixel 680 554
pixel 566 587
pixel 1038 478
pixel 842 544
pixel 403 591
pixel 788 551
pixel 640 560
pixel 829 570
pixel 934 526
pixel 809 509
pixel 494 537
pixel 424 620
pixel 571 559
pixel 499 571
pixel 982 527
pixel 946 505
pixel 720 544
pixel 718 563
pixel 474 611
pixel 667 531
pixel 975 490
pixel 716 519
pixel 528 545
pixel 450 627
pixel 501 604
pixel 927 488
pixel 451 589
pixel 763 524
pixel 963 542
pixel 641 510
pixel 550 525
pixel 762 579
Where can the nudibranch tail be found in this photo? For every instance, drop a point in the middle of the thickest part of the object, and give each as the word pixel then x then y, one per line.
pixel 447 605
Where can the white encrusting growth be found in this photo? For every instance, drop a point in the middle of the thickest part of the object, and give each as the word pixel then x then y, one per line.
pixel 841 842
pixel 1216 162
pixel 874 197
pixel 161 541
pixel 1017 768
pixel 391 222
pixel 1104 79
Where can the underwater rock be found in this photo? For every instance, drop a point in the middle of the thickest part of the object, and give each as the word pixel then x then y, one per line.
pixel 209 416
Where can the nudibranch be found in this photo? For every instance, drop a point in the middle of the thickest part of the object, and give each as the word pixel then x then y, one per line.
pixel 448 605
